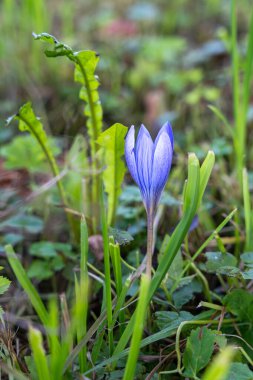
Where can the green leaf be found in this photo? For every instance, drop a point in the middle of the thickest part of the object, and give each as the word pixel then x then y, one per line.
pixel 229 271
pixel 86 63
pixel 29 122
pixel 248 275
pixel 199 349
pixel 78 170
pixel 44 249
pixel 239 371
pixel 4 284
pixel 112 140
pixel 60 49
pixel 40 270
pixel 247 258
pixel 27 223
pixel 216 260
pixel 167 318
pixel 183 295
pixel 240 303
pixel 120 237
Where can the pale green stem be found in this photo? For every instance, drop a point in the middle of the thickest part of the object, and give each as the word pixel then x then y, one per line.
pixel 150 239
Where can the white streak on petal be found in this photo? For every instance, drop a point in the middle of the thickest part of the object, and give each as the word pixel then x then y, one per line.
pixel 167 129
pixel 144 162
pixel 161 166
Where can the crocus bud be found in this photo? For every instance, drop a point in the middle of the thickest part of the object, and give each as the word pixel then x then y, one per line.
pixel 149 162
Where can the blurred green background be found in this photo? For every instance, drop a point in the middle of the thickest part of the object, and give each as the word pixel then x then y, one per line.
pixel 159 60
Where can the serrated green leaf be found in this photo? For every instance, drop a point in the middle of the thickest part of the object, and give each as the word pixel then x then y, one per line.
pixel 31 123
pixel 112 140
pixel 4 284
pixel 199 349
pixel 86 63
pixel 60 49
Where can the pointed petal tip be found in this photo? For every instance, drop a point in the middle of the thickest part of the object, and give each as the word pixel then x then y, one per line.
pixel 168 128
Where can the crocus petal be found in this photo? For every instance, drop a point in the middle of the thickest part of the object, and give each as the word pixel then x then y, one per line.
pixel 161 165
pixel 129 154
pixel 144 162
pixel 168 129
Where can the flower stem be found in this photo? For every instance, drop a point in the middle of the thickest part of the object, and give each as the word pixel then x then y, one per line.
pixel 150 238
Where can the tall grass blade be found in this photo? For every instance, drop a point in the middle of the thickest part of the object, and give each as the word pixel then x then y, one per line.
pixel 248 213
pixel 40 359
pixel 138 328
pixel 26 284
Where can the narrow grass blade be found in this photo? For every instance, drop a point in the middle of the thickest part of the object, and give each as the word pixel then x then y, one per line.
pixel 222 118
pixel 107 270
pixel 138 328
pixel 248 70
pixel 239 135
pixel 36 343
pixel 82 296
pixel 247 213
pixel 205 172
pixel 26 284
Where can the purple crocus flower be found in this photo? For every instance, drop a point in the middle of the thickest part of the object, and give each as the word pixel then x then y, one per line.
pixel 149 162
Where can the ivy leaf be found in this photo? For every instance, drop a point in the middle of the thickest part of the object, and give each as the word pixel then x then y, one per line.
pixel 112 140
pixel 199 349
